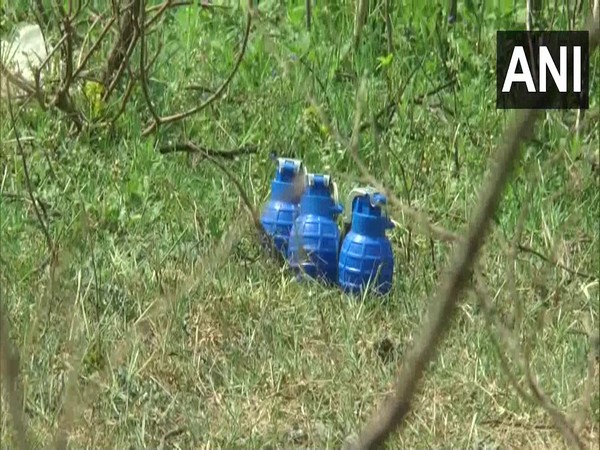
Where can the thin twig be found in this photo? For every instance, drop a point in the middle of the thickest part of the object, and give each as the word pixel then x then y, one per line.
pixel 360 19
pixel 38 72
pixel 390 107
pixel 308 4
pixel 143 73
pixel 425 224
pixel 180 116
pixel 122 49
pixel 190 147
pixel 83 61
pixel 443 306
pixel 67 45
pixel 263 236
pixel 16 79
pixel 154 58
pixel 578 273
pixel 125 100
pixel 124 62
pixel 508 342
pixel 160 9
pixel 169 4
pixel 28 184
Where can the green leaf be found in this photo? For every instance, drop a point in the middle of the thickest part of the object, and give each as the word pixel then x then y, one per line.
pixel 385 61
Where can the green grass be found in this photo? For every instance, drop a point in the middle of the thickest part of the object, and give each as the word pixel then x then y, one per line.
pixel 172 319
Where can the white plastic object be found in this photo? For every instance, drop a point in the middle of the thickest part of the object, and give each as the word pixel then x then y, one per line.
pixel 22 56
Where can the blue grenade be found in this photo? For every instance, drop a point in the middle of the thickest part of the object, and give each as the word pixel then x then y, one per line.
pixel 366 256
pixel 282 208
pixel 315 236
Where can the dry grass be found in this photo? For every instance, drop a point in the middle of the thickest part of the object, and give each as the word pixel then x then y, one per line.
pixel 154 320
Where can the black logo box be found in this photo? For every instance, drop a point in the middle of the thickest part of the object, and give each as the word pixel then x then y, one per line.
pixel 519 97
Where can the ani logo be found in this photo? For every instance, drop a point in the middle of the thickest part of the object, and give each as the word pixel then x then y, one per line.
pixel 542 70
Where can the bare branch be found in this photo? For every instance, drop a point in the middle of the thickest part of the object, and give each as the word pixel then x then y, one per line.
pixel 425 224
pixel 245 198
pixel 170 4
pixel 549 260
pixel 443 306
pixel 143 73
pixel 212 157
pixel 83 61
pixel 180 116
pixel 16 79
pixel 154 58
pixel 34 202
pixel 39 94
pixel 62 100
pixel 535 396
pixel 67 55
pixel 442 309
pixel 190 147
pixel 160 10
pixel 124 62
pixel 128 91
pixel 123 47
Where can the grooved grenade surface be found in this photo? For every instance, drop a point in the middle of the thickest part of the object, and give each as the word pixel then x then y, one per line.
pixel 366 257
pixel 315 236
pixel 281 210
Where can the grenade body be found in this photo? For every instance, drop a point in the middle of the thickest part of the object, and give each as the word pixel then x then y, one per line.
pixel 315 236
pixel 366 258
pixel 281 210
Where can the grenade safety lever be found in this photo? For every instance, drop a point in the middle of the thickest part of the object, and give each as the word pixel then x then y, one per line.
pixel 375 199
pixel 331 185
pixel 366 257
